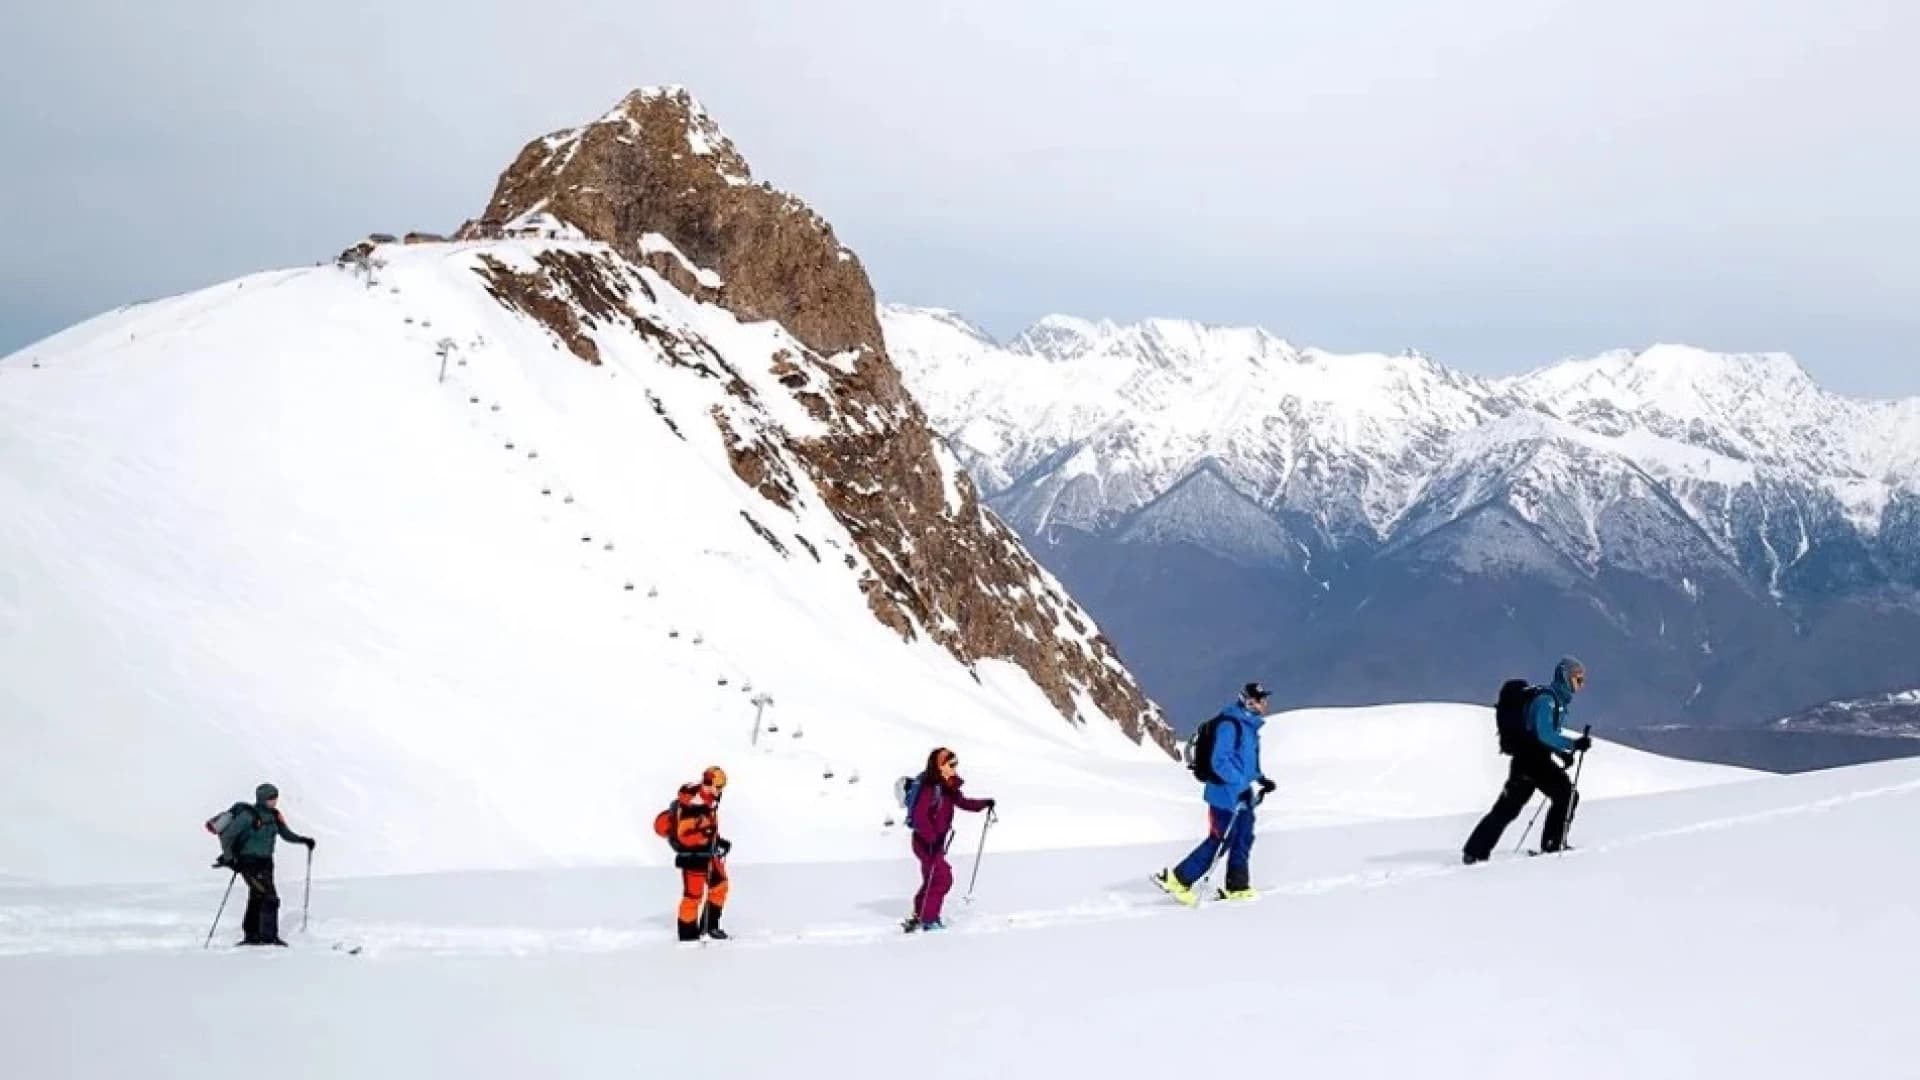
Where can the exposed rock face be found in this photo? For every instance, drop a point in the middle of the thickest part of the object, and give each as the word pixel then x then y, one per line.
pixel 659 164
pixel 657 181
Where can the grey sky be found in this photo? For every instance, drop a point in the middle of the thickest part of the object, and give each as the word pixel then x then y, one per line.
pixel 1498 183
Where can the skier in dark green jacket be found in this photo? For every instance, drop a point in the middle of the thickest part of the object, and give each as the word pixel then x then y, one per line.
pixel 246 846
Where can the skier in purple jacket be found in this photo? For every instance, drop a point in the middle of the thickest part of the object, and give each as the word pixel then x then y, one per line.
pixel 931 813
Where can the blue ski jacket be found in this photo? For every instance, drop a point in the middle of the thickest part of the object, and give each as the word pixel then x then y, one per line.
pixel 1236 756
pixel 1549 709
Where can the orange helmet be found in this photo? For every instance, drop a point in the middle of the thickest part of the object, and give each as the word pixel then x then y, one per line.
pixel 715 777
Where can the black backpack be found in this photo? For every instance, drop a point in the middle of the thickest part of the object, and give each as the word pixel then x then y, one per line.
pixel 1200 748
pixel 1510 715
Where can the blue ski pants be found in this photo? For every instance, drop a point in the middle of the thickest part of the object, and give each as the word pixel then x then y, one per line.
pixel 1232 829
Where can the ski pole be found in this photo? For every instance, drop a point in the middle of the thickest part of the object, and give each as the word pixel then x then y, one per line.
pixel 222 911
pixel 992 816
pixel 1524 833
pixel 1226 841
pixel 1573 800
pixel 706 883
pixel 306 900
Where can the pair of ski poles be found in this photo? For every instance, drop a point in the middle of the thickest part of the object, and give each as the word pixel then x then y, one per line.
pixel 979 854
pixel 306 901
pixel 1573 802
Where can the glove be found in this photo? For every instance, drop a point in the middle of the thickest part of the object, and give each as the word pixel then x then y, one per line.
pixel 1266 787
pixel 1582 744
pixel 1566 759
pixel 991 803
pixel 310 842
pixel 722 846
pixel 225 863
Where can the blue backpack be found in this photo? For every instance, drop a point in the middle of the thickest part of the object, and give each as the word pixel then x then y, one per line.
pixel 907 790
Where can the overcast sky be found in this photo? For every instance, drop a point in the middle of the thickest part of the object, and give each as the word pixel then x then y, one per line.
pixel 1497 183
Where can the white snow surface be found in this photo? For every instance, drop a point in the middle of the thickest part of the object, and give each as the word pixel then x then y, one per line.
pixel 248 536
pixel 1755 930
pixel 1336 766
pixel 1098 419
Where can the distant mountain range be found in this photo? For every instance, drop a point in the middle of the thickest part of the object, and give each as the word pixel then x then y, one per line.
pixel 1722 541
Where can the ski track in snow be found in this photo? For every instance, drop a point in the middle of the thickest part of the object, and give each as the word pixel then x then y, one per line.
pixel 42 928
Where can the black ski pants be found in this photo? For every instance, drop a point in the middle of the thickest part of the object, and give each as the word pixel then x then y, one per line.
pixel 261 924
pixel 1530 771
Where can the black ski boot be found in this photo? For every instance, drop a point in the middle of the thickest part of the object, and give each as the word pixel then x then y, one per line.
pixel 711 927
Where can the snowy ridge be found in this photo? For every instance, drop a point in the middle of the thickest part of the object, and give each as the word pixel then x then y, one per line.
pixel 253 534
pixel 1081 423
pixel 1122 413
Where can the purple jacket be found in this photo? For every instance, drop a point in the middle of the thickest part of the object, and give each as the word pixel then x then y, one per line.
pixel 934 817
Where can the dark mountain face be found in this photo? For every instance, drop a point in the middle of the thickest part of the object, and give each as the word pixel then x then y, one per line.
pixel 1194 625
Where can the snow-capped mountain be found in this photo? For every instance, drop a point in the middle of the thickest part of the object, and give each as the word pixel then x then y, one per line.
pixel 1081 424
pixel 1756 538
pixel 1894 714
pixel 478 549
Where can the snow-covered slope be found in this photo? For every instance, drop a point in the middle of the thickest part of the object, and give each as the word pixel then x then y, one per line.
pixel 1753 930
pixel 486 622
pixel 1759 408
pixel 1410 761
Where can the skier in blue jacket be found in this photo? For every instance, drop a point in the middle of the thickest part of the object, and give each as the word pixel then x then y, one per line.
pixel 1533 768
pixel 1230 802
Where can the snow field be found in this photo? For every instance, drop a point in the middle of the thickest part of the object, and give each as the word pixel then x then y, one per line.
pixel 1739 930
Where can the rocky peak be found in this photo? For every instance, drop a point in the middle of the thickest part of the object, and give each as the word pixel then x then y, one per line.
pixel 658 164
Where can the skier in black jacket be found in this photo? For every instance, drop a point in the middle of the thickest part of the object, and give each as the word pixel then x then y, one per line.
pixel 1533 768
